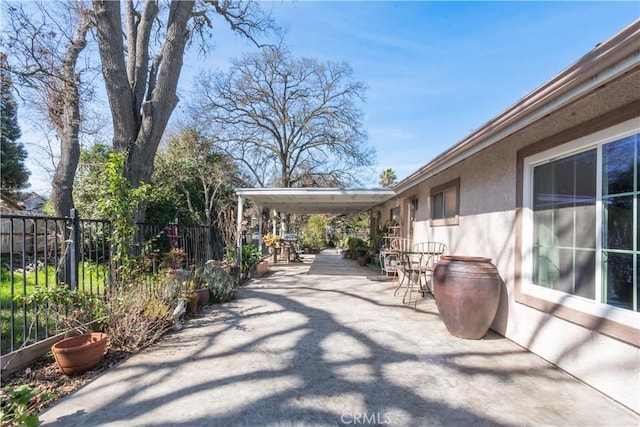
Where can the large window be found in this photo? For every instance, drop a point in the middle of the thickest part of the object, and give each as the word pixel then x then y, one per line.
pixel 564 218
pixel 620 223
pixel 583 220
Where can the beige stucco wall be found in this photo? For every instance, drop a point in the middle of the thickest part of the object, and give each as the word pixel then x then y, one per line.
pixel 487 227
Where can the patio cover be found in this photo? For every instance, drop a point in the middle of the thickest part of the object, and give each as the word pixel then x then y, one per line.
pixel 317 200
pixel 308 201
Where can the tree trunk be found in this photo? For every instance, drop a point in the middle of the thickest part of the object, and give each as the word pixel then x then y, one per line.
pixel 140 123
pixel 63 107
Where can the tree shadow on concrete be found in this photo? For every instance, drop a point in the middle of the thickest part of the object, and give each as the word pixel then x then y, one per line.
pixel 322 354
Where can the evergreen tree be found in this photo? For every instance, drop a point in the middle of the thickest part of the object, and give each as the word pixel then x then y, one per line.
pixel 13 173
pixel 388 178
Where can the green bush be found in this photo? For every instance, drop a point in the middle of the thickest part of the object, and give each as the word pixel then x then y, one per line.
pixel 250 257
pixel 222 286
pixel 355 246
pixel 312 236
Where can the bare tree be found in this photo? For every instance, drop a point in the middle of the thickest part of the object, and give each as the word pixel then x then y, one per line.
pixel 290 121
pixel 142 49
pixel 45 43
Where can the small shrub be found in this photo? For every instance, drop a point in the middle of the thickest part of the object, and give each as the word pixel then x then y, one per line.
pixel 250 257
pixel 355 245
pixel 17 405
pixel 222 286
pixel 139 313
pixel 175 258
pixel 67 309
pixel 313 235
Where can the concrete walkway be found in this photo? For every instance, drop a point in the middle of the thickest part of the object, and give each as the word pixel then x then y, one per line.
pixel 327 343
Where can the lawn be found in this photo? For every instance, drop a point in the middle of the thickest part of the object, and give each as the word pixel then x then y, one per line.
pixel 14 286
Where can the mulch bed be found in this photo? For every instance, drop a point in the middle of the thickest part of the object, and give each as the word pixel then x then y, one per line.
pixel 45 375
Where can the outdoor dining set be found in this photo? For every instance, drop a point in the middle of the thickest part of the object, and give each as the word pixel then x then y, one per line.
pixel 412 265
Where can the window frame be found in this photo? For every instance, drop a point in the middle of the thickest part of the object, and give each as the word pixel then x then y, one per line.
pixel 441 189
pixel 395 214
pixel 593 314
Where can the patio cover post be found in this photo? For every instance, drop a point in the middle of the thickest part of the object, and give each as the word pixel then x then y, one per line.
pixel 260 228
pixel 275 220
pixel 239 231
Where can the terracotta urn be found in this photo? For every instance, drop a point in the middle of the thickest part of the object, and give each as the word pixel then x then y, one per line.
pixel 467 294
pixel 77 355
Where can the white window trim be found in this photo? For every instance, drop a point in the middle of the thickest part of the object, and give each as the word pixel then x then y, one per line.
pixel 595 308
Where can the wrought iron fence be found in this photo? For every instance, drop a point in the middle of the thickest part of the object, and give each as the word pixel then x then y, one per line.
pixel 38 250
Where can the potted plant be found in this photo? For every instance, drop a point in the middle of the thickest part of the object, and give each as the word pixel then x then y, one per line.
pixel 188 292
pixel 356 247
pixel 229 260
pixel 271 240
pixel 202 285
pixel 250 259
pixel 74 312
pixel 273 243
pixel 202 290
pixel 362 253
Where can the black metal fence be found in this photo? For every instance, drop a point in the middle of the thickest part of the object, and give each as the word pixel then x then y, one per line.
pixel 38 251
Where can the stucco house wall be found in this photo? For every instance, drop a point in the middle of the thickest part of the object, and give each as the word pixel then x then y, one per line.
pixel 490 198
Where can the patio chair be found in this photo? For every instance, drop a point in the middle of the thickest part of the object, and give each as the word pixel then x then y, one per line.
pixel 400 244
pixel 411 274
pixel 432 251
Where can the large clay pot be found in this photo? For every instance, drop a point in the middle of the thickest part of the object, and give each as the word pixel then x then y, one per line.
pixel 77 355
pixel 467 293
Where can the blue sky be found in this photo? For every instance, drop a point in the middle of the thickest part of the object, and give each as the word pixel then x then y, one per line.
pixel 435 70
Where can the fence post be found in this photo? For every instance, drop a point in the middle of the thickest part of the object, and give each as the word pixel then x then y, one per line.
pixel 74 250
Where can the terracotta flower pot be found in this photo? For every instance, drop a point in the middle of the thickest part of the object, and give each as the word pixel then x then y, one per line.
pixel 192 304
pixel 77 355
pixel 467 293
pixel 203 296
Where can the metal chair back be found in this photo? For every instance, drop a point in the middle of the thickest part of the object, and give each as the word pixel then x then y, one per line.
pixel 431 252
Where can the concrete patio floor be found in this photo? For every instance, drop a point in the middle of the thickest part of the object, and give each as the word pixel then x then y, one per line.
pixel 327 343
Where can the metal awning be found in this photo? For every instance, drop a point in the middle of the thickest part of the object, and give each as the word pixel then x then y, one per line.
pixel 317 200
pixel 307 201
